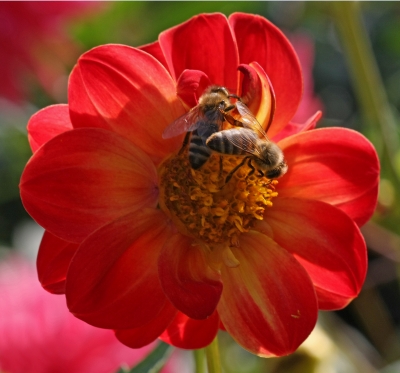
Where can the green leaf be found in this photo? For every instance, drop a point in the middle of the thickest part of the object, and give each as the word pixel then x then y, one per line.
pixel 154 361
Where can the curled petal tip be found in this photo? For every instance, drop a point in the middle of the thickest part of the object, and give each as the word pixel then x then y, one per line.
pixel 190 85
pixel 257 93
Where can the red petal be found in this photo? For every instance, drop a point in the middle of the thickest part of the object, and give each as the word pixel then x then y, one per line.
pixel 335 165
pixel 185 332
pixel 112 281
pixel 53 261
pixel 190 86
pixel 361 208
pixel 258 93
pixel 327 243
pixel 206 43
pixel 189 283
pixel 48 123
pixel 155 50
pixel 268 304
pixel 127 91
pixel 293 128
pixel 259 40
pixel 143 335
pixel 84 178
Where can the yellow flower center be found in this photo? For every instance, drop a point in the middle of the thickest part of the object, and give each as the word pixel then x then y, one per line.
pixel 204 206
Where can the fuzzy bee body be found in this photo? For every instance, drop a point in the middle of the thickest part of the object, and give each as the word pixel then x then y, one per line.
pixel 201 122
pixel 229 141
pixel 198 151
pixel 251 142
pixel 204 123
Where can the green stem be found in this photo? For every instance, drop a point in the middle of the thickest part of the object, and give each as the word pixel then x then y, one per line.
pixel 367 81
pixel 213 358
pixel 199 360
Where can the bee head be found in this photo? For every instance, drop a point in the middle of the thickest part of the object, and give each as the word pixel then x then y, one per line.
pixel 214 97
pixel 219 89
pixel 277 172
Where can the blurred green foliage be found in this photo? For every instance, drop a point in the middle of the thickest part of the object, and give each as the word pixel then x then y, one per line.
pixel 138 23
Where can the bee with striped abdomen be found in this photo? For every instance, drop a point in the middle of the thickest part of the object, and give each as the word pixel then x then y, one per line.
pixel 201 122
pixel 251 142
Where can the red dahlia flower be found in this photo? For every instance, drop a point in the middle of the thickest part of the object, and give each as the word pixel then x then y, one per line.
pixel 143 244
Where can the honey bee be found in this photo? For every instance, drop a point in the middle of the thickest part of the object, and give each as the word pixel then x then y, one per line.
pixel 252 143
pixel 201 122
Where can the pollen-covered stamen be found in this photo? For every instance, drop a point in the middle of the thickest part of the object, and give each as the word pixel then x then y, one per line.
pixel 204 207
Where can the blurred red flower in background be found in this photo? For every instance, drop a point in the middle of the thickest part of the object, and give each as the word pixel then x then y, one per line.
pixel 96 181
pixel 39 335
pixel 34 44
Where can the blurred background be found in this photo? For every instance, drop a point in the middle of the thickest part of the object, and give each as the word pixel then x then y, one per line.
pixel 39 44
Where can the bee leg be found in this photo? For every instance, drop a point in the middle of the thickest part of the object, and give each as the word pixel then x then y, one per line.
pixel 235 96
pixel 231 120
pixel 185 142
pixel 221 166
pixel 252 168
pixel 229 177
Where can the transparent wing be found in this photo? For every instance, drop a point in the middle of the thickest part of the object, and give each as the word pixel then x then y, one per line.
pixel 244 139
pixel 211 122
pixel 186 123
pixel 249 120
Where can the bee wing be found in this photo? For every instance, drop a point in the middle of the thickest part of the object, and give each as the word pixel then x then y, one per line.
pixel 186 123
pixel 249 120
pixel 245 139
pixel 210 122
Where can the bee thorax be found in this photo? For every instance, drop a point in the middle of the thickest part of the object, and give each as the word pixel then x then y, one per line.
pixel 271 155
